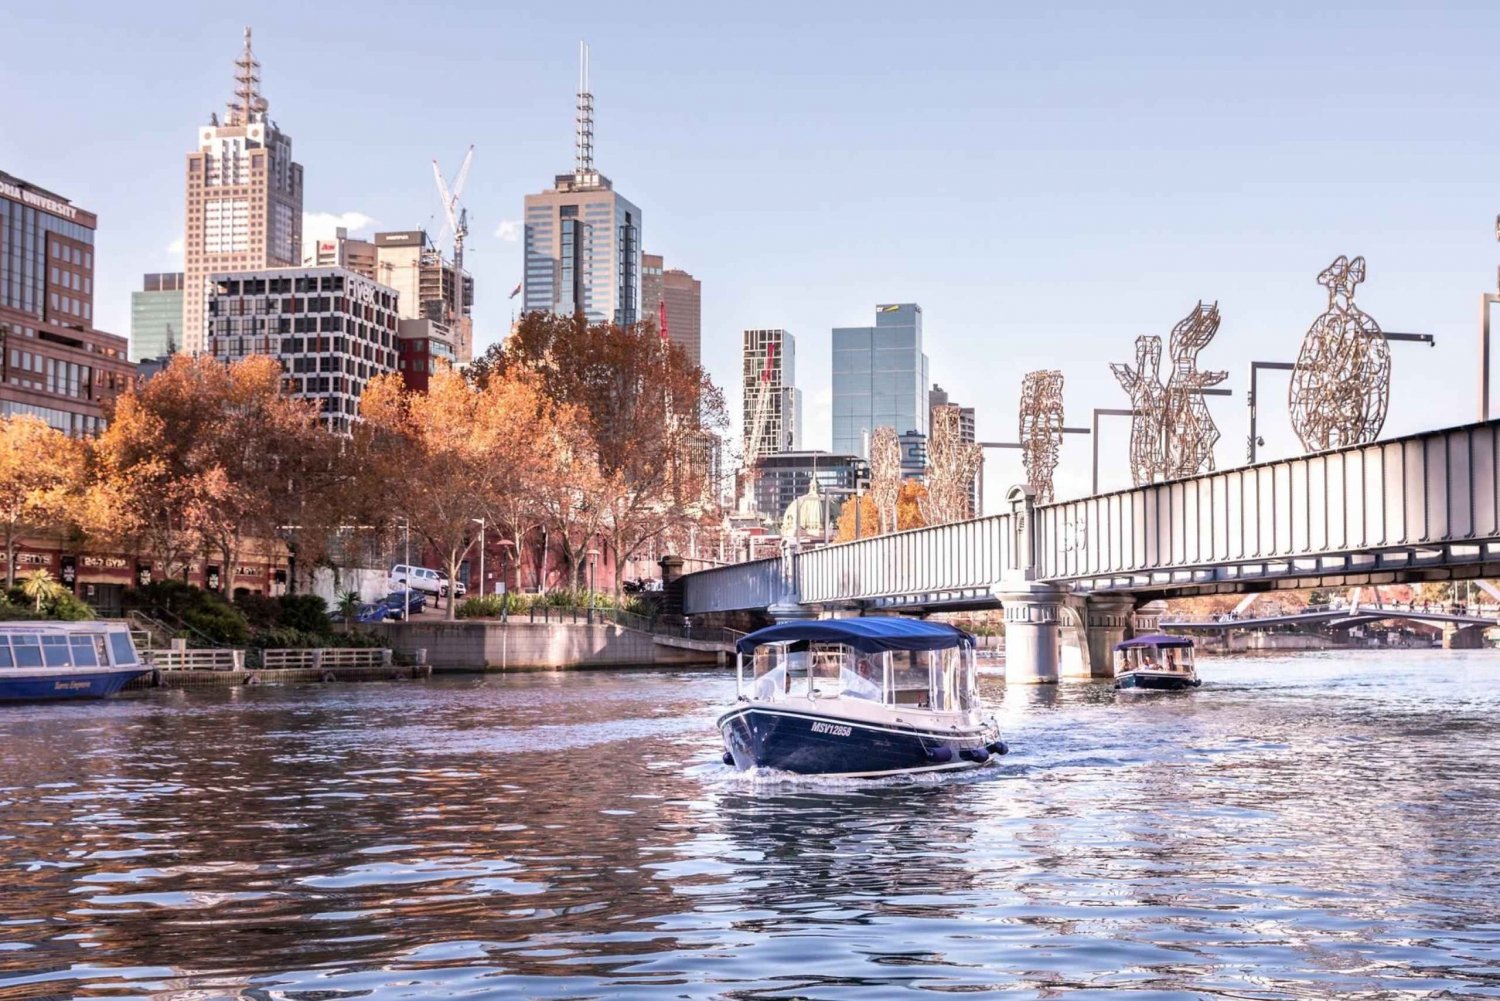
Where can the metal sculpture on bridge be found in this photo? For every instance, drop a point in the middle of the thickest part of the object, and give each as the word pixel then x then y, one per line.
pixel 1342 380
pixel 1188 430
pixel 1143 383
pixel 1041 429
pixel 1172 433
pixel 885 477
pixel 951 466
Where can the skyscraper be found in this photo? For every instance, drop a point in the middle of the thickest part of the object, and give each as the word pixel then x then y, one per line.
pixel 583 239
pixel 156 317
pixel 674 299
pixel 879 378
pixel 772 402
pixel 244 199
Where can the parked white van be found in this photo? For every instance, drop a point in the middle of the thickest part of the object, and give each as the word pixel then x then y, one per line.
pixel 421 579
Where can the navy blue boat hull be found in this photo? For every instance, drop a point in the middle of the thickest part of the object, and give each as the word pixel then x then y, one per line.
pixel 16 686
pixel 1156 683
pixel 811 744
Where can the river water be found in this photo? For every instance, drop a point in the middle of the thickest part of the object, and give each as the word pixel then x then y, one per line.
pixel 1301 827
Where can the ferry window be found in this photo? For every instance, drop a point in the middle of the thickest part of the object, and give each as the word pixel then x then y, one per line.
pixel 28 651
pixel 942 665
pixel 968 681
pixel 84 654
pixel 5 658
pixel 120 647
pixel 769 669
pixel 798 683
pixel 909 681
pixel 827 661
pixel 55 651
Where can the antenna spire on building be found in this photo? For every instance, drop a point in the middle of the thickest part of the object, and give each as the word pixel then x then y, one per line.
pixel 583 168
pixel 247 103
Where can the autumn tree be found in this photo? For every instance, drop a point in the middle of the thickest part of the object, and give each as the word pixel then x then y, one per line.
pixel 203 457
pixel 452 454
pixel 41 471
pixel 650 414
pixel 865 513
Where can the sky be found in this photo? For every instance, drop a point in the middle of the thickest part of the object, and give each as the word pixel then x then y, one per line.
pixel 1049 181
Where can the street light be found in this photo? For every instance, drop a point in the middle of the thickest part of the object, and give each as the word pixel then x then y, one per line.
pixel 593 555
pixel 406 581
pixel 482 585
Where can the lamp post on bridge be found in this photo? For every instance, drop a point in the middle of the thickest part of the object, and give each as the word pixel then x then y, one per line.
pixel 1485 302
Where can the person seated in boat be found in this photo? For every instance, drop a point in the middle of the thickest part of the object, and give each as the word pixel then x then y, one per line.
pixel 861 682
pixel 1171 658
pixel 771 686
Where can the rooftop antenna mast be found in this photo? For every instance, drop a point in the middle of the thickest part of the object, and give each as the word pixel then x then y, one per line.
pixel 247 101
pixel 583 167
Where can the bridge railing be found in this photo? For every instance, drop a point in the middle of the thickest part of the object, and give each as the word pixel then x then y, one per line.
pixel 965 555
pixel 1421 490
pixel 753 584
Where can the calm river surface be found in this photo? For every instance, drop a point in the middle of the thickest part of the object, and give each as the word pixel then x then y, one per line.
pixel 1308 827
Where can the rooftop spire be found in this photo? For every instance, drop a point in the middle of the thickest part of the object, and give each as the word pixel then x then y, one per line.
pixel 247 103
pixel 583 168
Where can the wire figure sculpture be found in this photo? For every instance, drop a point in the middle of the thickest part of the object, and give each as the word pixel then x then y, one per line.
pixel 1342 380
pixel 1188 430
pixel 1041 429
pixel 885 477
pixel 1147 399
pixel 952 464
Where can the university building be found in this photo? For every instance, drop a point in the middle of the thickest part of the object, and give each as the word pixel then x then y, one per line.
pixel 54 364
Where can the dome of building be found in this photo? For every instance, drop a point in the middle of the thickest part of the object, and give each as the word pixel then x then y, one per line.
pixel 807 516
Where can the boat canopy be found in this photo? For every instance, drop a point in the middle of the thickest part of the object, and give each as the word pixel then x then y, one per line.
pixel 1154 640
pixel 876 634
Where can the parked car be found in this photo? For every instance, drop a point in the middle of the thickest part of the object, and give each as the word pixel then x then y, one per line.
pixel 377 611
pixel 416 578
pixel 414 601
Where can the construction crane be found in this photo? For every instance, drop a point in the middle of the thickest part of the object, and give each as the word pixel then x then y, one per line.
pixel 457 217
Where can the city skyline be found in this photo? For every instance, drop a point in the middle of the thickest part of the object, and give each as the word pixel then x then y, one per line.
pixel 1212 171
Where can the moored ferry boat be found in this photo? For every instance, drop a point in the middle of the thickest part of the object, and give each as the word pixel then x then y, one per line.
pixel 1156 662
pixel 40 661
pixel 856 698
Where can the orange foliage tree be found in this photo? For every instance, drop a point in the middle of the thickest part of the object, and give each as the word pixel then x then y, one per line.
pixel 41 472
pixel 909 500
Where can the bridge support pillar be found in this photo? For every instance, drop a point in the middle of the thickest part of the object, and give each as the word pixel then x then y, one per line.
pixel 1463 637
pixel 1106 620
pixel 1147 618
pixel 1033 613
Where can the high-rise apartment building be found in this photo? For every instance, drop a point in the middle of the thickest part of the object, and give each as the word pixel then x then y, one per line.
pixel 772 401
pixel 244 199
pixel 53 363
pixel 156 317
pixel 332 330
pixel 429 285
pixel 674 299
pixel 583 238
pixel 879 378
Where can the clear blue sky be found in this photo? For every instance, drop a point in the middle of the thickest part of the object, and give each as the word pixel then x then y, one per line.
pixel 1047 180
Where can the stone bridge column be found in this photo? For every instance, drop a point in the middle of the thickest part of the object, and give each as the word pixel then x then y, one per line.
pixel 1106 620
pixel 1147 618
pixel 1456 637
pixel 1033 613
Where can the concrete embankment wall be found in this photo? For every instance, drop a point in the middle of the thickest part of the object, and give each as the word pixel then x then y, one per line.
pixel 1238 642
pixel 476 645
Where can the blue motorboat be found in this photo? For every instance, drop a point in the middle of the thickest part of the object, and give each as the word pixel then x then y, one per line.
pixel 856 698
pixel 41 661
pixel 1155 663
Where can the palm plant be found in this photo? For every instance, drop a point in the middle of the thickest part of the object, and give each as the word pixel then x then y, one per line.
pixel 349 603
pixel 40 586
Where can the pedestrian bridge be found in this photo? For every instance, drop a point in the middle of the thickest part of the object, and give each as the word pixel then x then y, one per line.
pixel 1422 507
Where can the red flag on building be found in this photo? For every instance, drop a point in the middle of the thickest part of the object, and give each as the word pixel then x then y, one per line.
pixel 515 291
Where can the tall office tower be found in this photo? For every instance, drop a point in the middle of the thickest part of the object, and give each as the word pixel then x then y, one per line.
pixel 583 239
pixel 332 330
pixel 938 397
pixel 244 199
pixel 879 378
pixel 772 402
pixel 431 289
pixel 674 299
pixel 343 251
pixel 56 365
pixel 156 317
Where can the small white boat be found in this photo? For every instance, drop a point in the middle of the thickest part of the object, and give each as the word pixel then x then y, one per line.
pixel 41 661
pixel 858 698
pixel 1157 663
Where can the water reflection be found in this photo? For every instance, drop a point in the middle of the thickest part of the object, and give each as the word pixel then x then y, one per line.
pixel 1305 828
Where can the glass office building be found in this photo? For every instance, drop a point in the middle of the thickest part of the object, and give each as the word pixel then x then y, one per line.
pixel 879 378
pixel 156 317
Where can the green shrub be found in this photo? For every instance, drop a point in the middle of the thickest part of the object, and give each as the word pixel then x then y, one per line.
pixel 486 606
pixel 204 618
pixel 260 610
pixel 70 608
pixel 307 612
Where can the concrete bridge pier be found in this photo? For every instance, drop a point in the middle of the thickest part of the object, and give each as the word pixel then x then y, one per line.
pixel 1105 620
pixel 1033 616
pixel 1456 637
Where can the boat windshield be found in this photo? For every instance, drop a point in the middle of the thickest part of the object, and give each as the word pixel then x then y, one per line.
pixel 55 650
pixel 943 680
pixel 1167 659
